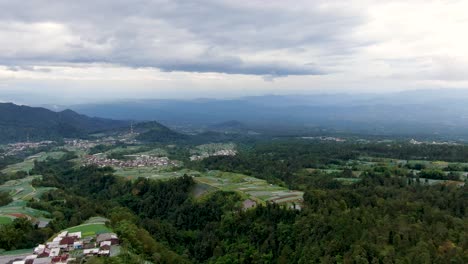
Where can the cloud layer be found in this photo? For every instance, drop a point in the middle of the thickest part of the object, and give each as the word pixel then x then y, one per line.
pixel 210 45
pixel 259 38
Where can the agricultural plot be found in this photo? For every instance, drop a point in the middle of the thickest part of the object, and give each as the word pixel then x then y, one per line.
pixel 6 219
pixel 88 230
pixel 21 191
pixel 28 163
pixel 92 227
pixel 250 187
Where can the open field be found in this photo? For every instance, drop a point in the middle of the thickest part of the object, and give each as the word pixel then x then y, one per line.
pixel 250 187
pixel 89 229
pixel 5 220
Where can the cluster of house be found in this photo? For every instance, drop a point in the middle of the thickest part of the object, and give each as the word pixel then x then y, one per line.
pixel 133 161
pixel 223 152
pixel 15 148
pixel 68 247
pixel 326 139
pixel 81 143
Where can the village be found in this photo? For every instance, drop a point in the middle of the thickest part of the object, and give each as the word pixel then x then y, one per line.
pixel 16 148
pixel 133 161
pixel 223 152
pixel 71 247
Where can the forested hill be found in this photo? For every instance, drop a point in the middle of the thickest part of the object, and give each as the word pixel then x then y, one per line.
pixel 18 122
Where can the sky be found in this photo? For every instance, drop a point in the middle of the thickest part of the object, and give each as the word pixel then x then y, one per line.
pixel 101 50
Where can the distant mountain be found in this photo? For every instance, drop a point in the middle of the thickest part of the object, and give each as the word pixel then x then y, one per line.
pixel 18 123
pixel 156 132
pixel 424 112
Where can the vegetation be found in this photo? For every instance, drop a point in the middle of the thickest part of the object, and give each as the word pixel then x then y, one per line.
pixel 19 123
pixel 362 203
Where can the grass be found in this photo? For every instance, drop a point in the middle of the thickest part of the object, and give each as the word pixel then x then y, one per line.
pixel 17 252
pixel 5 220
pixel 90 229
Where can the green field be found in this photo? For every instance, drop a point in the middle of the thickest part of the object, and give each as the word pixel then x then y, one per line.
pixel 89 229
pixel 5 220
pixel 17 252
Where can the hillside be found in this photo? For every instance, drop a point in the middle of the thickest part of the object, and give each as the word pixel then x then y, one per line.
pixel 155 132
pixel 18 123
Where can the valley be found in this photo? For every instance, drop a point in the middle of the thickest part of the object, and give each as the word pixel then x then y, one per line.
pixel 169 188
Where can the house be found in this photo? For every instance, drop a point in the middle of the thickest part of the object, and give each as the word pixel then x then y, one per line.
pixel 60 259
pixel 54 252
pixel 104 252
pixel 55 244
pixel 75 234
pixel 62 234
pixel 67 242
pixel 44 253
pixel 248 204
pixel 90 252
pixel 39 249
pixel 78 244
pixel 105 245
pixel 107 237
pixel 47 260
pixel 29 259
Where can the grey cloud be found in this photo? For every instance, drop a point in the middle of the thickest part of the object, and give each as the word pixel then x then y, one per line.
pixel 179 35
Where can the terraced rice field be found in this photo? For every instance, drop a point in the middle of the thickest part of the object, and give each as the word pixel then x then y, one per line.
pixel 28 163
pixel 21 191
pixel 253 188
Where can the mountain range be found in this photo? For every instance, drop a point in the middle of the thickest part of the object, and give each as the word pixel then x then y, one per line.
pixel 21 123
pixel 422 112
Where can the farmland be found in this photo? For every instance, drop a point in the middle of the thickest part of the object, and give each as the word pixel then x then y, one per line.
pixel 253 188
pixel 28 163
pixel 21 191
pixel 89 229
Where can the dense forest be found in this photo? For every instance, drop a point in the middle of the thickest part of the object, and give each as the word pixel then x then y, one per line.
pixel 387 217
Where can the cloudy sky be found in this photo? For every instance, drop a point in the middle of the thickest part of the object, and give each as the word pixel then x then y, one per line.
pixel 76 51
